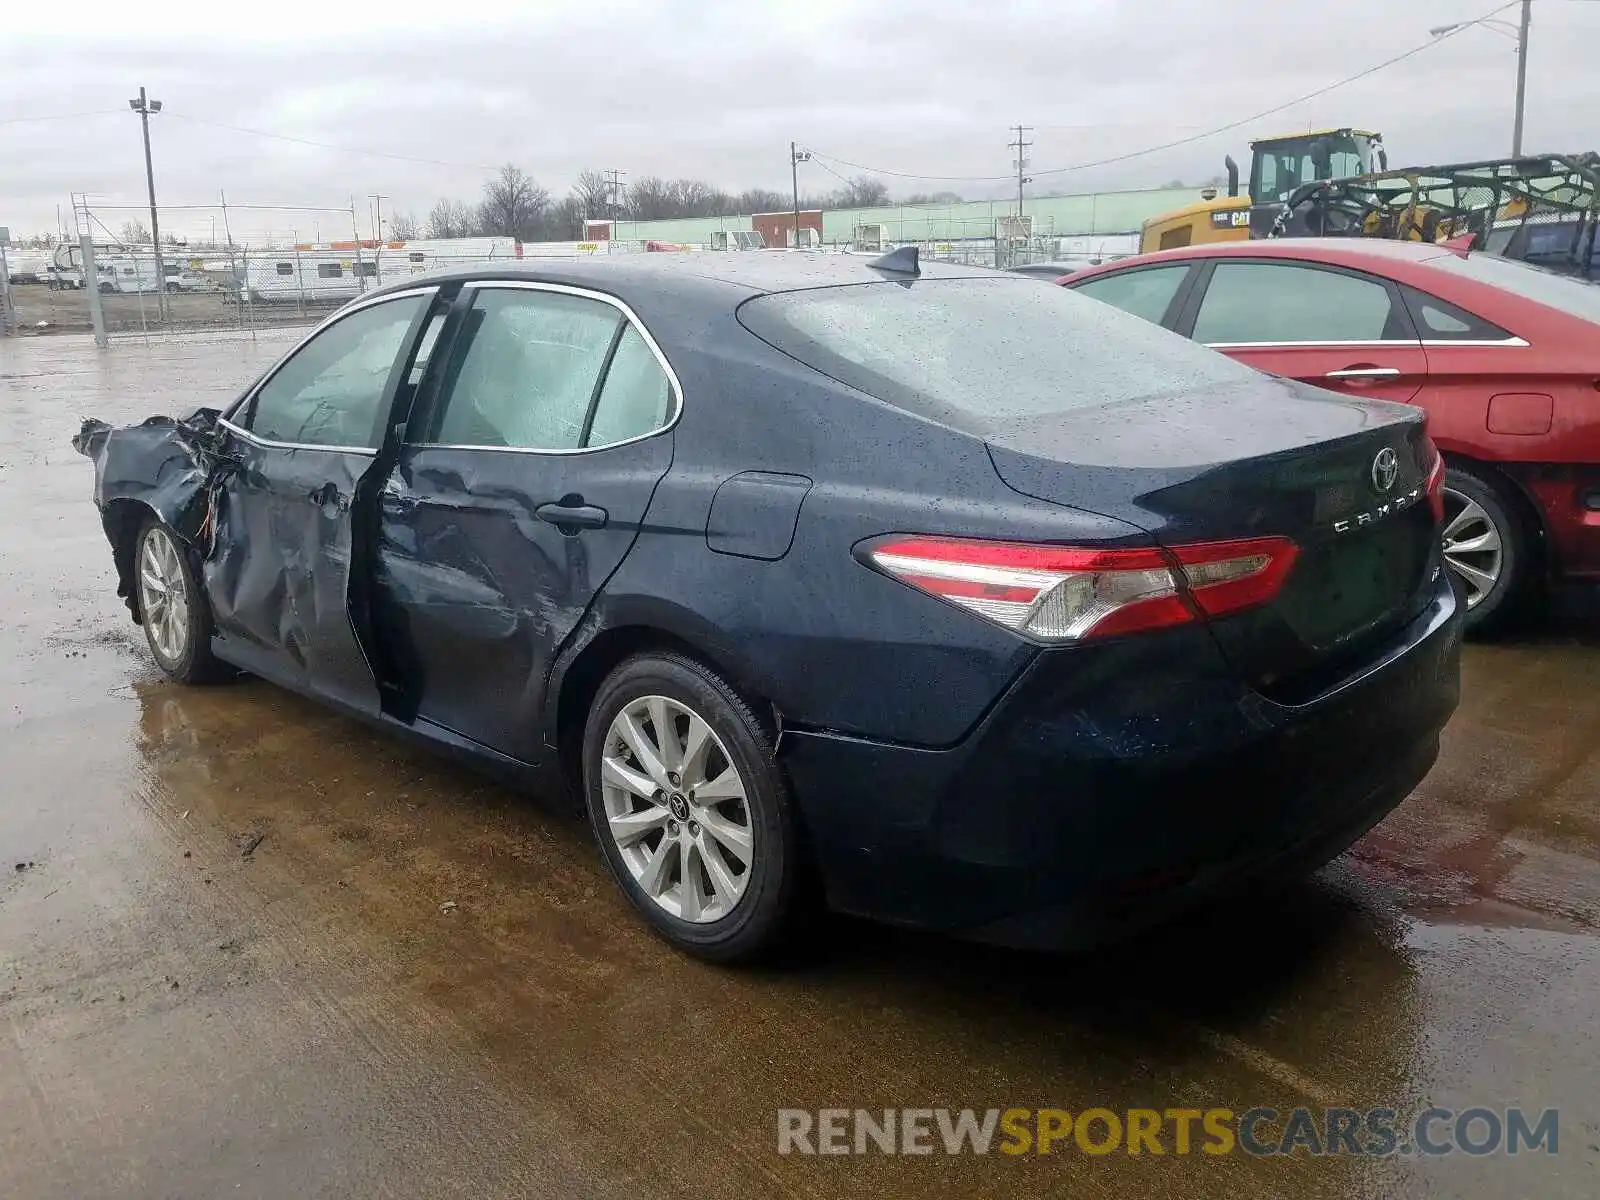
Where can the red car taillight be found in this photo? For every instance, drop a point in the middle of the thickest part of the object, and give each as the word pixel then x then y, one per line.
pixel 1435 487
pixel 1064 593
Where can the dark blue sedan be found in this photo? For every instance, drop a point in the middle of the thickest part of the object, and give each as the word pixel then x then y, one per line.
pixel 949 599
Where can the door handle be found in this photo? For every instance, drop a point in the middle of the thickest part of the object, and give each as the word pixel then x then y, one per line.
pixel 576 515
pixel 1365 373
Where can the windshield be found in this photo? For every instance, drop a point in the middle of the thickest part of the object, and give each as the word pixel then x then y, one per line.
pixel 1281 166
pixel 975 353
pixel 1575 297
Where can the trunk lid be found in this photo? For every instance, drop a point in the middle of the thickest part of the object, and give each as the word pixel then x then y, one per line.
pixel 1345 479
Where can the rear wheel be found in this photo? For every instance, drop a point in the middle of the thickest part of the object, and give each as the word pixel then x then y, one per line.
pixel 1487 546
pixel 172 606
pixel 689 808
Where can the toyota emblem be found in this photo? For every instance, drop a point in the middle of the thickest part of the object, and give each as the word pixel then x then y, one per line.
pixel 1385 469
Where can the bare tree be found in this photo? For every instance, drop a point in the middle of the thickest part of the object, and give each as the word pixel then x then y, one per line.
pixel 761 200
pixel 452 219
pixel 932 198
pixel 513 204
pixel 564 219
pixel 695 198
pixel 403 227
pixel 591 190
pixel 651 198
pixel 861 192
pixel 134 233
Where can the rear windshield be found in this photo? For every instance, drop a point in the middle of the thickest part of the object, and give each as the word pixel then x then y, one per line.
pixel 1576 297
pixel 977 352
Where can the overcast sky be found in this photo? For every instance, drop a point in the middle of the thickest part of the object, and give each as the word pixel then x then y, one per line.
pixel 717 90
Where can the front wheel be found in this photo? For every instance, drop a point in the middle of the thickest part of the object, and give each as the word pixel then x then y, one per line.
pixel 1487 548
pixel 690 809
pixel 173 607
pixel 172 288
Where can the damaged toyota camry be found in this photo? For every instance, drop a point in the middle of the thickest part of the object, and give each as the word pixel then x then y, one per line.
pixel 924 593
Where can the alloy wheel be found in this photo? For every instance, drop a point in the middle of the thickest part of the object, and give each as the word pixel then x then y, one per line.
pixel 164 595
pixel 1473 548
pixel 676 809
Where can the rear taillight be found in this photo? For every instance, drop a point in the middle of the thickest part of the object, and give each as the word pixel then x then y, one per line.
pixel 1064 593
pixel 1435 487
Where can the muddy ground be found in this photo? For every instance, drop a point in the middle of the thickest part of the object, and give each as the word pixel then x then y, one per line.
pixel 419 983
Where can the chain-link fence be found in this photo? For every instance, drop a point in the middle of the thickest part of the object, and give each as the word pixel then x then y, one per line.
pixel 243 267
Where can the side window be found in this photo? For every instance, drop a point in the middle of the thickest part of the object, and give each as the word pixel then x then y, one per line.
pixel 364 268
pixel 328 393
pixel 528 372
pixel 637 396
pixel 1277 302
pixel 329 271
pixel 1440 321
pixel 1146 293
pixel 285 268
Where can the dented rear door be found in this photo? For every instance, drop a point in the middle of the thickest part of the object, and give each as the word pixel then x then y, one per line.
pixel 528 466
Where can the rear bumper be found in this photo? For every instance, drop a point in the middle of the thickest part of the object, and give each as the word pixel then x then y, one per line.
pixel 1563 494
pixel 1112 788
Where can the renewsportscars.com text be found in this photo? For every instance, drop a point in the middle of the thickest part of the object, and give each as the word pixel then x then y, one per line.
pixel 1361 1133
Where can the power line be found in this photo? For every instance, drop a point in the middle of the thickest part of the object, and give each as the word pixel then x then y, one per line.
pixel 97 112
pixel 1198 137
pixel 300 141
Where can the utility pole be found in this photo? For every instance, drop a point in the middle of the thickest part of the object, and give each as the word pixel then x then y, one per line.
pixel 144 107
pixel 1021 162
pixel 796 157
pixel 1522 76
pixel 614 187
pixel 377 216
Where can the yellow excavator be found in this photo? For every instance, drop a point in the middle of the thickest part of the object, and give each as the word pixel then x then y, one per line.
pixel 1278 167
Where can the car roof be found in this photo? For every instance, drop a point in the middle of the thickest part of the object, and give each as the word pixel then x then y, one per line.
pixel 732 275
pixel 1347 251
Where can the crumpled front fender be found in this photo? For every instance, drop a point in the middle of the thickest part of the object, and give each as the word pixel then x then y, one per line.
pixel 165 465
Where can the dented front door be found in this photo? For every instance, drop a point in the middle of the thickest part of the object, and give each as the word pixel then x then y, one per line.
pixel 279 576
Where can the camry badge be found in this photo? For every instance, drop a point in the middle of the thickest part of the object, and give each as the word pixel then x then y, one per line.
pixel 1385 469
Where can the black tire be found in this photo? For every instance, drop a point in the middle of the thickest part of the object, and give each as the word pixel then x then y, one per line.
pixel 1491 606
pixel 766 912
pixel 193 663
pixel 106 289
pixel 172 288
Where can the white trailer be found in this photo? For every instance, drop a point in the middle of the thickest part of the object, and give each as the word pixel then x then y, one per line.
pixel 338 271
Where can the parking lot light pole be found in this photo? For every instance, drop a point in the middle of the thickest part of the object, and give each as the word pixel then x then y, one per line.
pixel 1519 33
pixel 796 157
pixel 144 107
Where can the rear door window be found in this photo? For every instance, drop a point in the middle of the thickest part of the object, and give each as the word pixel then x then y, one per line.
pixel 1440 321
pixel 528 371
pixel 636 398
pixel 1146 293
pixel 1261 303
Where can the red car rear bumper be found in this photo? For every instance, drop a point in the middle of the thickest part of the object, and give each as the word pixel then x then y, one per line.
pixel 1568 497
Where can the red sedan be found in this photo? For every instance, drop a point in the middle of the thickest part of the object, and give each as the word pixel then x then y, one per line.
pixel 1504 357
